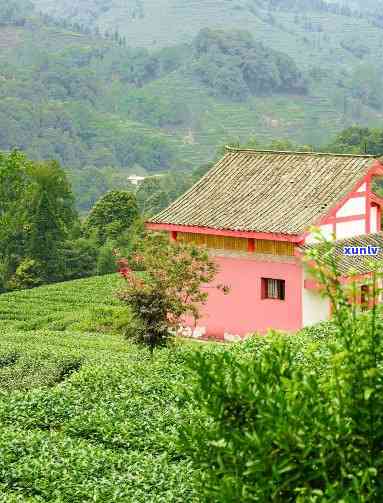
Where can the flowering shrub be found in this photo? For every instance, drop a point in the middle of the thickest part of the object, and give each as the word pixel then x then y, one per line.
pixel 169 290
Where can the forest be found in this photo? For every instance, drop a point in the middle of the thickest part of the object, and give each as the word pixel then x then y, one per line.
pixel 104 107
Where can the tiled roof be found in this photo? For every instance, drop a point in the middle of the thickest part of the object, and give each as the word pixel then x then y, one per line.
pixel 359 264
pixel 267 191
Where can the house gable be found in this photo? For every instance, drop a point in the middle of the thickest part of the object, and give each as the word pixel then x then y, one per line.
pixel 359 212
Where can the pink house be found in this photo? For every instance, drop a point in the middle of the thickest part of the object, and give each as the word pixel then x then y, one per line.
pixel 254 211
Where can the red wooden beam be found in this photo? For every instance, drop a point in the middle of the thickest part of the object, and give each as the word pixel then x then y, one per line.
pixel 292 238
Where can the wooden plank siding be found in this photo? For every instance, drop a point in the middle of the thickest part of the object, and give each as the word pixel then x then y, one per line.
pixel 274 247
pixel 237 244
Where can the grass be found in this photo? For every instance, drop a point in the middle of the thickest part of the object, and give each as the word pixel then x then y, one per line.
pixel 84 415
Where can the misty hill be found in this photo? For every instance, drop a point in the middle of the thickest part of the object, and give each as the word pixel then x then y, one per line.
pixel 302 70
pixel 156 23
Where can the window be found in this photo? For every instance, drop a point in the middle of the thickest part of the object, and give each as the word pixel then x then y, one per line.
pixel 273 288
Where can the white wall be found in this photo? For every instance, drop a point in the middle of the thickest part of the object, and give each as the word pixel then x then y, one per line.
pixel 374 219
pixel 349 229
pixel 315 308
pixel 352 207
pixel 362 188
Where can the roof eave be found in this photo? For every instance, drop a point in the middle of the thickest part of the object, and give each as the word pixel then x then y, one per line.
pixel 292 238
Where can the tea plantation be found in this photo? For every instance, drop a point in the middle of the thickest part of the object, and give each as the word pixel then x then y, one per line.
pixel 87 416
pixel 84 416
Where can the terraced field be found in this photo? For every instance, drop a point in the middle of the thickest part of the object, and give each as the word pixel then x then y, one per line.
pixel 59 306
pixel 313 38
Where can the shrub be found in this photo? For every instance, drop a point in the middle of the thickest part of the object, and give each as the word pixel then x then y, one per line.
pixel 106 261
pixel 8 359
pixel 29 274
pixel 79 258
pixel 67 366
pixel 168 291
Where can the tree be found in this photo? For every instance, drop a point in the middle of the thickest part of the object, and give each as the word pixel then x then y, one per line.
pixel 113 214
pixel 46 233
pixel 36 214
pixel 234 65
pixel 28 274
pixel 169 291
pixel 358 140
pixel 106 261
pixel 14 194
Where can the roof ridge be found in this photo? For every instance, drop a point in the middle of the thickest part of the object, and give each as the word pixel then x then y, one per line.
pixel 261 151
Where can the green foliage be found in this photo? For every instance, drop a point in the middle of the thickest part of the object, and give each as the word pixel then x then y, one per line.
pixel 62 306
pixel 3 276
pixel 106 260
pixel 112 215
pixel 169 290
pixel 278 420
pixel 113 417
pixel 29 274
pixel 36 212
pixel 80 410
pixel 91 183
pixel 78 258
pixel 366 84
pixel 358 140
pixel 153 110
pixel 60 103
pixel 234 65
pixel 156 193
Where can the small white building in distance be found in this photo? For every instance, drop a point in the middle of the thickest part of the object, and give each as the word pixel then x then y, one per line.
pixel 135 179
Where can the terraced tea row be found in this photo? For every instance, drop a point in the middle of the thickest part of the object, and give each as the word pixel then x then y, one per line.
pixel 59 306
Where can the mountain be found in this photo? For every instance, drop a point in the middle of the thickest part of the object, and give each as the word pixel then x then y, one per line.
pixel 158 23
pixel 109 87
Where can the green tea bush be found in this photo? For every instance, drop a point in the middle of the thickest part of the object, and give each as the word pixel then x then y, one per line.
pixel 84 414
pixel 67 367
pixel 284 419
pixel 104 434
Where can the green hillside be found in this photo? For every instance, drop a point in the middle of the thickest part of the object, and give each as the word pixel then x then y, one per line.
pixel 156 23
pixel 91 101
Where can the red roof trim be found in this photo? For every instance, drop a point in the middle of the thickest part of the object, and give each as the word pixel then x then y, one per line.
pixel 218 232
pixel 351 218
pixel 376 199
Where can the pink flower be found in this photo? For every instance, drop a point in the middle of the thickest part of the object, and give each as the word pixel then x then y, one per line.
pixel 125 272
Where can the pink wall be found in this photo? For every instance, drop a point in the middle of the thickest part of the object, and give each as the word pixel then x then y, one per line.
pixel 243 310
